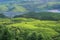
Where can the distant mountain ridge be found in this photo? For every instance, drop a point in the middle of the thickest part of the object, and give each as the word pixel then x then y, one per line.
pixel 35 5
pixel 23 6
pixel 41 15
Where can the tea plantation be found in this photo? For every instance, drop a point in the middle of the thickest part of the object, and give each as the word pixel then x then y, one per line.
pixel 29 29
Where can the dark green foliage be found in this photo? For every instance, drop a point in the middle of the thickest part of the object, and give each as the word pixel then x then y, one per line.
pixel 2 16
pixel 42 15
pixel 5 36
pixel 40 37
pixel 33 36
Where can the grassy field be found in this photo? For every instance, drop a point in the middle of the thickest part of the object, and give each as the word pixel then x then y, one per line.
pixel 29 29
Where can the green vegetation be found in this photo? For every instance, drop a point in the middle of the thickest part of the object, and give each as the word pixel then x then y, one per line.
pixel 29 29
pixel 42 15
pixel 32 25
pixel 3 8
pixel 24 7
pixel 19 8
pixel 12 8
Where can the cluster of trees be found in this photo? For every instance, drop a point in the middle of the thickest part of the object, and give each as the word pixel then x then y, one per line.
pixel 42 15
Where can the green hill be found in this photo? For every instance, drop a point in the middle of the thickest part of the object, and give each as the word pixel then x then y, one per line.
pixel 26 6
pixel 29 29
pixel 12 8
pixel 41 15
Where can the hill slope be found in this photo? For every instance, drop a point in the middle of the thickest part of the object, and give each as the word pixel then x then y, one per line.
pixel 29 29
pixel 2 16
pixel 42 15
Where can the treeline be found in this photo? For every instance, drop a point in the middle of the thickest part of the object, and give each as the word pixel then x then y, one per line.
pixel 41 15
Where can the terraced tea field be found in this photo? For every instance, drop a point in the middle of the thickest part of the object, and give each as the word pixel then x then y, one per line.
pixel 29 29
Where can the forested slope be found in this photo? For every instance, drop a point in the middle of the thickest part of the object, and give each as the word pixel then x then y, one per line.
pixel 41 15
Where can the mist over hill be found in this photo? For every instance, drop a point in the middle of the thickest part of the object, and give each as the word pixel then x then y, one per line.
pixel 24 6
